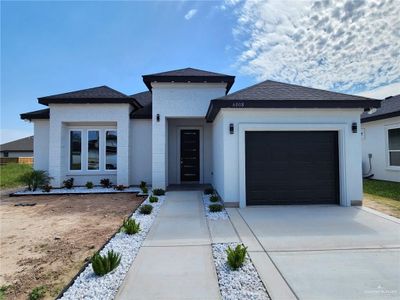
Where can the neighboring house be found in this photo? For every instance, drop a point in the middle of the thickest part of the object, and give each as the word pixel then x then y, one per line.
pixel 18 148
pixel 381 141
pixel 271 143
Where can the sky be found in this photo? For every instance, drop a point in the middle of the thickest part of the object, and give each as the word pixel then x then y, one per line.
pixel 54 47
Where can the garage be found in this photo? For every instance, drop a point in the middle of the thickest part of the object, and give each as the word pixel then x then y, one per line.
pixel 291 167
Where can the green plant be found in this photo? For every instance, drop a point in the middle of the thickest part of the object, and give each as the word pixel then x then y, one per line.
pixel 130 226
pixel 46 188
pixel 103 264
pixel 143 184
pixel 146 209
pixel 158 192
pixel 214 198
pixel 89 185
pixel 215 207
pixel 119 187
pixel 145 190
pixel 68 183
pixel 3 290
pixel 37 293
pixel 236 256
pixel 35 179
pixel 105 183
pixel 208 191
pixel 153 199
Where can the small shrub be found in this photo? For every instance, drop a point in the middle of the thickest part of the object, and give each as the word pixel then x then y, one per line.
pixel 214 198
pixel 215 207
pixel 89 185
pixel 119 187
pixel 143 184
pixel 145 190
pixel 208 191
pixel 105 183
pixel 103 264
pixel 68 183
pixel 37 293
pixel 153 199
pixel 236 256
pixel 146 209
pixel 130 226
pixel 3 291
pixel 158 192
pixel 46 188
pixel 35 179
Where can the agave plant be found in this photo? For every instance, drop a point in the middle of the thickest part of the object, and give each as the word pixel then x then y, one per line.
pixel 236 256
pixel 103 264
pixel 130 226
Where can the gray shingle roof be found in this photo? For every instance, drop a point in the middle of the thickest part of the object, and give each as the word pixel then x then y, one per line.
pixel 144 98
pixel 21 145
pixel 37 114
pixel 390 107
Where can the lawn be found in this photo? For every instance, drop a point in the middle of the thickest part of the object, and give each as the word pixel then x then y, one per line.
pixel 10 173
pixel 383 196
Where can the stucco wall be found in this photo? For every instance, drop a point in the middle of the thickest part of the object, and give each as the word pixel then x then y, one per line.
pixel 218 151
pixel 140 151
pixel 374 141
pixel 41 144
pixel 289 119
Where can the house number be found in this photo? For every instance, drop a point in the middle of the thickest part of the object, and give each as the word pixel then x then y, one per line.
pixel 238 104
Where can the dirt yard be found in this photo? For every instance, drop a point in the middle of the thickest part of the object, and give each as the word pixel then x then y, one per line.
pixel 47 244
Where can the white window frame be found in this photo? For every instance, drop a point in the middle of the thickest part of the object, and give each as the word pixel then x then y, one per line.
pixel 387 150
pixel 87 149
pixel 69 150
pixel 105 149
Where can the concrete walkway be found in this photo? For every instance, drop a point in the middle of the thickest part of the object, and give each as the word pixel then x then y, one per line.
pixel 175 260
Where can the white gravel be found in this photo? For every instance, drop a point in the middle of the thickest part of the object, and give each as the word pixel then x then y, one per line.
pixel 90 286
pixel 222 215
pixel 243 283
pixel 79 190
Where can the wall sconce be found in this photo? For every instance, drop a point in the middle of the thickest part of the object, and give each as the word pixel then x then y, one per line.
pixel 354 127
pixel 158 117
pixel 231 129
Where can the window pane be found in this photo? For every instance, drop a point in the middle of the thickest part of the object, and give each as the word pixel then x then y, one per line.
pixel 394 139
pixel 93 150
pixel 394 158
pixel 75 150
pixel 111 150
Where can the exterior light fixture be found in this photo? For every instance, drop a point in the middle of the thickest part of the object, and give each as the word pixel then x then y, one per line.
pixel 354 127
pixel 158 117
pixel 231 129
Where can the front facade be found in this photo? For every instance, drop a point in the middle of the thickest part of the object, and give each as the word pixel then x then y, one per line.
pixel 272 143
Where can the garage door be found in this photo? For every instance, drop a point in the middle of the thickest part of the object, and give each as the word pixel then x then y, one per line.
pixel 292 167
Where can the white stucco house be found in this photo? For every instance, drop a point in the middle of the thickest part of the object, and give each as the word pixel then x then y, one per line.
pixel 271 143
pixel 381 141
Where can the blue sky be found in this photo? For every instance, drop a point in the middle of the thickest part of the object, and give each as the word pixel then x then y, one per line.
pixel 55 47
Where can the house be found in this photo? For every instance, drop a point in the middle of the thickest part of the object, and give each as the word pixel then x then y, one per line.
pixel 18 148
pixel 271 143
pixel 381 141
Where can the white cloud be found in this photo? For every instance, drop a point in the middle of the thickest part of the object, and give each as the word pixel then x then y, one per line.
pixel 346 45
pixel 8 135
pixel 190 14
pixel 383 91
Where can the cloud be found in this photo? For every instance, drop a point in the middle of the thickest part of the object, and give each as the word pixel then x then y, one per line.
pixel 190 14
pixel 346 45
pixel 383 91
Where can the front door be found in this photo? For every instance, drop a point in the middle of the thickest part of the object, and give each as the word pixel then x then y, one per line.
pixel 190 155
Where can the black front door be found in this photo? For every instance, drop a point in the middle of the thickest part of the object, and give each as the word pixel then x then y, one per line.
pixel 190 155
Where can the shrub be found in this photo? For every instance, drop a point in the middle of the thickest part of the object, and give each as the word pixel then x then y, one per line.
pixel 37 293
pixel 89 185
pixel 119 187
pixel 153 199
pixel 143 184
pixel 158 192
pixel 145 190
pixel 103 264
pixel 215 207
pixel 130 226
pixel 105 183
pixel 214 198
pixel 236 256
pixel 146 209
pixel 35 179
pixel 46 188
pixel 208 191
pixel 69 183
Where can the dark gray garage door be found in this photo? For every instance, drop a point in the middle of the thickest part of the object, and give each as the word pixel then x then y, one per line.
pixel 292 167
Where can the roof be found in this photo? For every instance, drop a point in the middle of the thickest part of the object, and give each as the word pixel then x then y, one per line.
pixel 100 94
pixel 145 100
pixel 21 145
pixel 189 75
pixel 273 94
pixel 390 107
pixel 37 114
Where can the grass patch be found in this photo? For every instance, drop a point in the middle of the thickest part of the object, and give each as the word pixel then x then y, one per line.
pixel 3 290
pixel 386 189
pixel 10 174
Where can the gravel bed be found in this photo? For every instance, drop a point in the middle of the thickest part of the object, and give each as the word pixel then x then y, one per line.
pixel 78 190
pixel 90 286
pixel 222 215
pixel 243 283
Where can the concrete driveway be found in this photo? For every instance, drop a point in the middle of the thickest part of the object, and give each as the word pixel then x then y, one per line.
pixel 322 252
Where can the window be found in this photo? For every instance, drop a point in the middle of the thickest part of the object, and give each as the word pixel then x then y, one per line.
pixel 111 150
pixel 5 154
pixel 394 147
pixel 75 150
pixel 93 150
